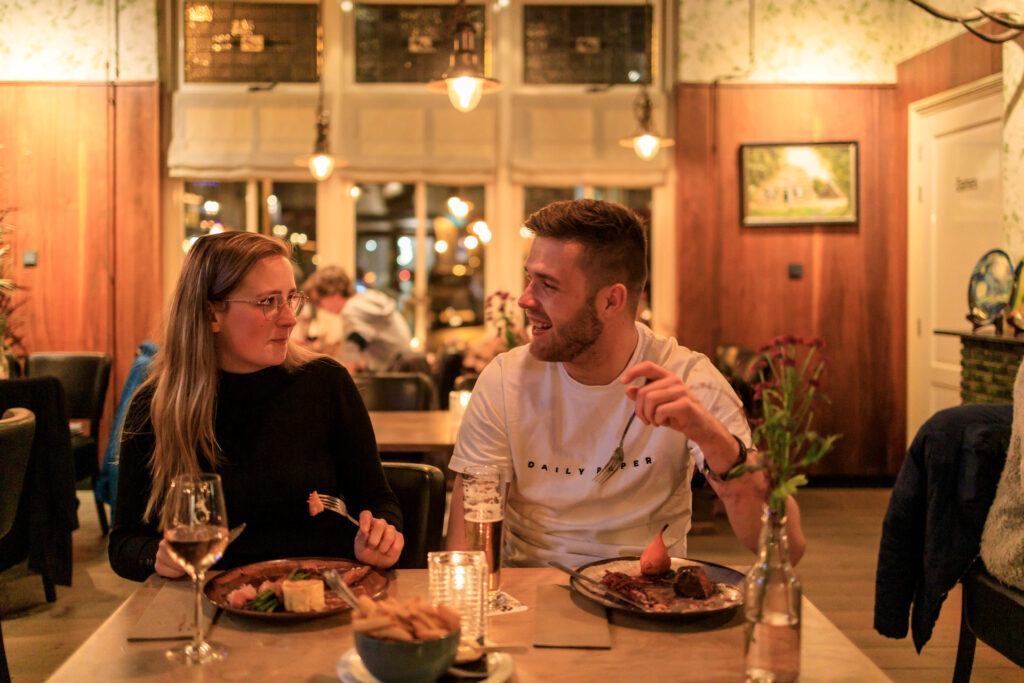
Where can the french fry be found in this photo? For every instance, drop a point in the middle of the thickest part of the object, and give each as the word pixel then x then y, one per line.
pixel 392 633
pixel 430 618
pixel 452 618
pixel 371 623
pixel 366 605
pixel 413 619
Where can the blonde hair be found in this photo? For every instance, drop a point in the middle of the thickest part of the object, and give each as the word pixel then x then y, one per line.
pixel 184 372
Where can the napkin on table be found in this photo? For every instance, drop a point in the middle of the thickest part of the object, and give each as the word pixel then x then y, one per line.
pixel 562 622
pixel 171 614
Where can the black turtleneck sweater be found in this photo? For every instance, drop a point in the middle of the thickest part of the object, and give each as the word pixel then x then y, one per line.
pixel 281 435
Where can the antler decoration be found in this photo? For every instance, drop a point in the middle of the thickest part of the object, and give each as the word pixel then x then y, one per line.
pixel 1000 16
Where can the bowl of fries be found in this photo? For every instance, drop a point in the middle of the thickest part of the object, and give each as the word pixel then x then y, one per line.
pixel 409 641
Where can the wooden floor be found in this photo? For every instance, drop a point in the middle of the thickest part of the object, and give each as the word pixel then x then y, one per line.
pixel 843 527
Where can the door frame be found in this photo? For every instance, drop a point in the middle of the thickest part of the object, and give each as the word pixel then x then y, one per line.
pixel 917 223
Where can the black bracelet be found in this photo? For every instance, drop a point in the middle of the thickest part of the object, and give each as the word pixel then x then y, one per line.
pixel 741 459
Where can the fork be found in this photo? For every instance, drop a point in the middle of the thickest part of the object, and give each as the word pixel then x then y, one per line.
pixel 335 504
pixel 618 455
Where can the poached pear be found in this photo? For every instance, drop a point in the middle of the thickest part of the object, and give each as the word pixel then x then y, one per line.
pixel 654 560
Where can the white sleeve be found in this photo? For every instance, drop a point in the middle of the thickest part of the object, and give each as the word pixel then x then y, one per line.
pixel 483 435
pixel 713 390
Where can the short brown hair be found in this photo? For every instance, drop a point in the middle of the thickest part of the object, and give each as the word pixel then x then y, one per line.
pixel 327 281
pixel 613 238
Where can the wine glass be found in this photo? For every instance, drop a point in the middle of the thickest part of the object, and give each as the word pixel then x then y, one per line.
pixel 196 531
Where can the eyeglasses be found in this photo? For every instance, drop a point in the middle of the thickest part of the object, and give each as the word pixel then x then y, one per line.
pixel 272 304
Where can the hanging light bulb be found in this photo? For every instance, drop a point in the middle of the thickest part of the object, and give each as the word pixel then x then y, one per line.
pixel 321 162
pixel 464 81
pixel 646 142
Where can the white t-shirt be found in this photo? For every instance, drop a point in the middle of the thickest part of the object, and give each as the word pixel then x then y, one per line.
pixel 553 434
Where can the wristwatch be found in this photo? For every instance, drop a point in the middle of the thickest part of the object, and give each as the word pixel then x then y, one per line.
pixel 740 460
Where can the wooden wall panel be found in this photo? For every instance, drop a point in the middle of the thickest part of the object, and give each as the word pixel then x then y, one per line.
pixel 81 163
pixel 848 294
pixel 138 302
pixel 58 176
pixel 732 281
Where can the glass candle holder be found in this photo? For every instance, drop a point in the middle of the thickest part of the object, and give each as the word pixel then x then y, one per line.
pixel 458 579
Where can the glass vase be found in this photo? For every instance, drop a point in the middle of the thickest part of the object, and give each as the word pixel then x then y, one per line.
pixel 772 607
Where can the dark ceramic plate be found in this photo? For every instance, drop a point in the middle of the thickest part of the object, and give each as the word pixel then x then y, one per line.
pixel 217 588
pixel 729 582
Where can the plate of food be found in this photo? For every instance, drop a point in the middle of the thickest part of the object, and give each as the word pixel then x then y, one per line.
pixel 687 588
pixel 290 589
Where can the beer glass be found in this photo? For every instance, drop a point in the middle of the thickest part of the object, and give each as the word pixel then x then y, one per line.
pixel 483 499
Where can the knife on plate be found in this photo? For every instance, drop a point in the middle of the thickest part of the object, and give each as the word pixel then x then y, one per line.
pixel 606 590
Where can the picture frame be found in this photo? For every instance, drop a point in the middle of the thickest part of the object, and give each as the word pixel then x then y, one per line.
pixel 799 183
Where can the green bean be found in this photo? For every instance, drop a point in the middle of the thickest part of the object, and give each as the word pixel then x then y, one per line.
pixel 265 601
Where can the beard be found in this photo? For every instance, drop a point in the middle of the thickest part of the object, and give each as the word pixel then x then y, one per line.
pixel 566 342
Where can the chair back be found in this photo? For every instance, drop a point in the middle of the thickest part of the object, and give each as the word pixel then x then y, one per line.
pixel 13 365
pixel 992 612
pixel 84 376
pixel 106 481
pixel 397 391
pixel 17 429
pixel 420 490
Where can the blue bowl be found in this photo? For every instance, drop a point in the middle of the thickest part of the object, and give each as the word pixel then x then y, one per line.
pixel 395 661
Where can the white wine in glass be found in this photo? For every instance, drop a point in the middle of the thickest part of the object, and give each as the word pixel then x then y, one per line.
pixel 196 531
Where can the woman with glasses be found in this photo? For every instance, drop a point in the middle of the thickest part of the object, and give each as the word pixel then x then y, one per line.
pixel 228 393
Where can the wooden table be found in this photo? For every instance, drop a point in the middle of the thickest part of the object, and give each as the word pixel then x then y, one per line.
pixel 416 430
pixel 701 650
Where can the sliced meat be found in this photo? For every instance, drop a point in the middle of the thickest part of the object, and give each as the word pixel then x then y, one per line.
pixel 241 595
pixel 355 575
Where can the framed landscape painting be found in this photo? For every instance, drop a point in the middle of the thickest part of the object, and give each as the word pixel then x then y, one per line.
pixel 798 183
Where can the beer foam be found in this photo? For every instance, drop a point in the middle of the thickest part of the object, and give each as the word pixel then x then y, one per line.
pixel 484 513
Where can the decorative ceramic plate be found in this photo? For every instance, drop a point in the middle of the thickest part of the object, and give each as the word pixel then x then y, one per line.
pixel 1016 303
pixel 990 287
pixel 218 587
pixel 351 669
pixel 728 582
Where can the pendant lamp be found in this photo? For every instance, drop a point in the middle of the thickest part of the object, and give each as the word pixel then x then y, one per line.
pixel 464 81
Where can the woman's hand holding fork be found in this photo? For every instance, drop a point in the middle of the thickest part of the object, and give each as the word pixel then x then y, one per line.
pixel 377 543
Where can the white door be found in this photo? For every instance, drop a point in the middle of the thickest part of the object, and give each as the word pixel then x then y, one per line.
pixel 955 216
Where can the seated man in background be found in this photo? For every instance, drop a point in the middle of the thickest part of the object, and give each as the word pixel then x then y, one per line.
pixel 552 413
pixel 375 336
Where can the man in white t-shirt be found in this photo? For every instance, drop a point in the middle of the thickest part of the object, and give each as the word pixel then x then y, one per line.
pixel 552 413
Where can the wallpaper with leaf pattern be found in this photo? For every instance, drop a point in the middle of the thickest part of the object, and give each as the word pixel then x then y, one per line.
pixel 804 41
pixel 73 40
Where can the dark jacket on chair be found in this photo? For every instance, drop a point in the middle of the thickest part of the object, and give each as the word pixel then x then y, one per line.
pixel 48 509
pixel 932 528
